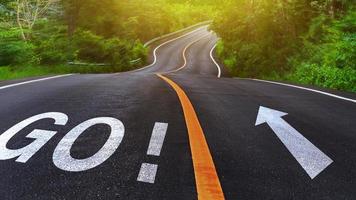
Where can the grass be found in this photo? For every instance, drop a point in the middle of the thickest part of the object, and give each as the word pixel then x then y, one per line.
pixel 7 73
pixel 10 72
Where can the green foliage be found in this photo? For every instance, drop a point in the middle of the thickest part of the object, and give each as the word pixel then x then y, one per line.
pixel 10 72
pixel 52 43
pixel 112 31
pixel 118 53
pixel 89 46
pixel 90 31
pixel 137 19
pixel 7 73
pixel 260 35
pixel 328 57
pixel 310 42
pixel 324 76
pixel 53 51
pixel 5 10
pixel 9 34
pixel 15 51
pixel 303 41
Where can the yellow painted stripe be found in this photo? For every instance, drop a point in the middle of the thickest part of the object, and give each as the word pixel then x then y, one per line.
pixel 206 178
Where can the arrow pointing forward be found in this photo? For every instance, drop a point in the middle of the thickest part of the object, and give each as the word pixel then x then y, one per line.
pixel 308 156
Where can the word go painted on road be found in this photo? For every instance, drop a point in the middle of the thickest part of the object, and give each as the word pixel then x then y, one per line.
pixel 61 156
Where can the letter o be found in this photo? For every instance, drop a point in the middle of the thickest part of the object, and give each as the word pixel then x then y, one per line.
pixel 62 158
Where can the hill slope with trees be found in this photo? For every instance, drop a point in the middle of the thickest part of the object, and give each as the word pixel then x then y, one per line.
pixel 41 36
pixel 309 42
pixel 303 41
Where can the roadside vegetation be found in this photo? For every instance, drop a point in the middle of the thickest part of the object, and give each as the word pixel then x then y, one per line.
pixel 302 41
pixel 308 42
pixel 39 37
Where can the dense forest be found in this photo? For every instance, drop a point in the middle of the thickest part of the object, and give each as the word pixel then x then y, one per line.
pixel 303 41
pixel 43 36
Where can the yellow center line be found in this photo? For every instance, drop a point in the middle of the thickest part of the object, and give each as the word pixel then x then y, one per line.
pixel 206 177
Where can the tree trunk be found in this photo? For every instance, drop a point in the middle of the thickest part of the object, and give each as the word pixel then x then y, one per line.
pixel 18 13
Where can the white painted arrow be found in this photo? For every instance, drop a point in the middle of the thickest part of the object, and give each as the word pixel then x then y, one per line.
pixel 308 156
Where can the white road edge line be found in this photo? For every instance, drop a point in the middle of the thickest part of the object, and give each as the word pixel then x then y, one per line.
pixel 183 53
pixel 216 63
pixel 167 42
pixel 33 81
pixel 308 89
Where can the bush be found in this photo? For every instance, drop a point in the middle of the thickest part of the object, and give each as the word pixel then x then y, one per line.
pixel 324 76
pixel 120 53
pixel 117 52
pixel 328 61
pixel 52 44
pixel 139 51
pixel 17 52
pixel 13 50
pixel 89 47
pixel 113 51
pixel 52 51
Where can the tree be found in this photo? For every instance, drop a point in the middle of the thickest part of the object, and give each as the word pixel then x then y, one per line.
pixel 72 12
pixel 28 12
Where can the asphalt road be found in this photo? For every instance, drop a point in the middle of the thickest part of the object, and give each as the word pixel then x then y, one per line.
pixel 211 149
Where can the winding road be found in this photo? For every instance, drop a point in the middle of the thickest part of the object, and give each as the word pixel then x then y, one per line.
pixel 180 128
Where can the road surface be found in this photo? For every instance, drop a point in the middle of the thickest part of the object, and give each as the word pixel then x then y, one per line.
pixel 174 130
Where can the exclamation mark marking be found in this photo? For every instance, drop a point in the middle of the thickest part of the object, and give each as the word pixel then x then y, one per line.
pixel 148 171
